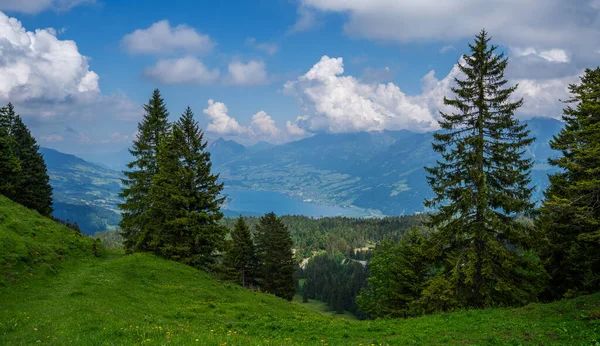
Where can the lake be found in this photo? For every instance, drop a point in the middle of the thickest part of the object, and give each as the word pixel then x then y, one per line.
pixel 262 202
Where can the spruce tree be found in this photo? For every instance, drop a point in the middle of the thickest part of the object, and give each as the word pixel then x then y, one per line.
pixel 185 199
pixel 570 215
pixel 9 163
pixel 203 198
pixel 240 259
pixel 276 259
pixel 481 185
pixel 29 184
pixel 153 127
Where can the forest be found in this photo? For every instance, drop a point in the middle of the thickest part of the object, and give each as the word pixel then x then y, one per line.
pixel 485 244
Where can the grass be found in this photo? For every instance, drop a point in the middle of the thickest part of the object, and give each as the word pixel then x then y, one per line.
pixel 323 308
pixel 30 243
pixel 141 299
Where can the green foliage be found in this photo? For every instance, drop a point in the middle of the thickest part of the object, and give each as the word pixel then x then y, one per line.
pixel 31 244
pixel 312 234
pixel 23 175
pixel 151 130
pixel 335 280
pixel 240 261
pixel 570 216
pixel 481 187
pixel 275 256
pixel 398 272
pixel 112 239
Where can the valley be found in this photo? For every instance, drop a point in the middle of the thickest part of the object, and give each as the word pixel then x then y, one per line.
pixel 359 175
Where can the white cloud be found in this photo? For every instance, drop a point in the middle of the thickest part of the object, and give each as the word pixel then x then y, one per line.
pixel 220 122
pixel 344 104
pixel 543 24
pixel 52 138
pixel 187 70
pixel 269 48
pixel 264 125
pixel 161 38
pixel 293 128
pixel 39 66
pixel 251 73
pixel 340 103
pixel 551 55
pixel 37 6
pixel 447 48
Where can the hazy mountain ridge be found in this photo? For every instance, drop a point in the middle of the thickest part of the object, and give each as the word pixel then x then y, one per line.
pixel 379 171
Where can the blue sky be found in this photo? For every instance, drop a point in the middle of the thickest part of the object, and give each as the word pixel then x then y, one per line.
pixel 275 70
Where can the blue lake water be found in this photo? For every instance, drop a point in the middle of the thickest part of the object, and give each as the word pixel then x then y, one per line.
pixel 262 202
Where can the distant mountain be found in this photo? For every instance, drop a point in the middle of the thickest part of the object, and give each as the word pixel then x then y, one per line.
pixel 372 170
pixel 378 171
pixel 83 192
pixel 223 150
pixel 112 160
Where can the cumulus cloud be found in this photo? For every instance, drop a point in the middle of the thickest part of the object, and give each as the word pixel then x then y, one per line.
pixel 39 66
pixel 162 38
pixel 339 103
pixel 187 70
pixel 37 6
pixel 344 104
pixel 264 125
pixel 220 122
pixel 269 48
pixel 543 24
pixel 251 73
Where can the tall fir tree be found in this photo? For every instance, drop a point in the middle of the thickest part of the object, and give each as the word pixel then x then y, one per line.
pixel 151 130
pixel 276 259
pixel 240 260
pixel 480 188
pixel 185 199
pixel 30 183
pixel 570 215
pixel 9 163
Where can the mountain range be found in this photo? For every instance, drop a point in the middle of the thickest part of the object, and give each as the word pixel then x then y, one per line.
pixel 377 171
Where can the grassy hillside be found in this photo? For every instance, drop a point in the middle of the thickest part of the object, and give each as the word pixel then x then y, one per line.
pixel 142 299
pixel 30 243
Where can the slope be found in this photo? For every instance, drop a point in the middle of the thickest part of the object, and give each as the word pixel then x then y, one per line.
pixel 31 243
pixel 142 299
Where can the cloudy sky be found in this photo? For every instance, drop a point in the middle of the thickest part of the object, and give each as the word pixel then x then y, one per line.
pixel 78 71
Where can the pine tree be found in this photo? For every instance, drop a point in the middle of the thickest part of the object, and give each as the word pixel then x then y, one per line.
pixel 138 179
pixel 240 258
pixel 9 163
pixel 305 293
pixel 480 187
pixel 276 259
pixel 570 215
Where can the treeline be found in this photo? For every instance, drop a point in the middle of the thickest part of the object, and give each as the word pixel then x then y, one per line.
pixel 314 234
pixel 479 252
pixel 172 208
pixel 23 175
